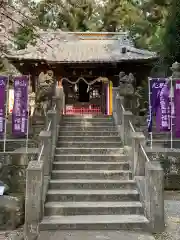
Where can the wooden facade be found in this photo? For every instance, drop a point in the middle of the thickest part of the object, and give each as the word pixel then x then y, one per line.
pixel 101 55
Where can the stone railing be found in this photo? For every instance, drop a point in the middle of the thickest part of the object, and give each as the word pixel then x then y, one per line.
pixel 148 174
pixel 38 171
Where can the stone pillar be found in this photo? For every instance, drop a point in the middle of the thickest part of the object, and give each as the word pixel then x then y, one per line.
pixel 59 101
pixel 116 105
pixel 45 139
pixel 138 159
pixel 52 115
pixel 46 158
pixel 154 194
pixel 119 111
pixel 33 202
pixel 126 117
pixel 121 100
pixel 115 91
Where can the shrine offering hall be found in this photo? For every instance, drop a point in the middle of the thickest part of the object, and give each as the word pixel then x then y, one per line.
pixel 86 64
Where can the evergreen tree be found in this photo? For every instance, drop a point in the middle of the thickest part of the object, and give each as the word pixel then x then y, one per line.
pixel 171 40
pixel 120 15
pixel 145 20
pixel 66 15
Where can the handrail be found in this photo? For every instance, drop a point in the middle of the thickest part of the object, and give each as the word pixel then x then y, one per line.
pixel 144 152
pixel 131 126
pixel 123 108
pixel 142 148
pixel 49 125
pixel 41 152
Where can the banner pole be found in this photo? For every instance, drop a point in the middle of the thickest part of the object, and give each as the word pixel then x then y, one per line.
pixel 6 113
pixel 171 117
pixel 150 110
pixel 27 133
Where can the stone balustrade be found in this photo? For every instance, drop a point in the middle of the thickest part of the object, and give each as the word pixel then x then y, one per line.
pixel 38 171
pixel 148 174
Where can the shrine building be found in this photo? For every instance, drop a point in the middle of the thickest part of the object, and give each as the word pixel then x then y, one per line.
pixel 87 63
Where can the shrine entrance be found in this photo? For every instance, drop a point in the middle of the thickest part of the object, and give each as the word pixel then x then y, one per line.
pixel 83 91
pixel 86 97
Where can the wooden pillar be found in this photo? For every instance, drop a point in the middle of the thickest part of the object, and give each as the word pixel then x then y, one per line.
pixel 104 98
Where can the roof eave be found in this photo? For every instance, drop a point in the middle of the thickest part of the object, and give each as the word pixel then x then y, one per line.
pixel 87 61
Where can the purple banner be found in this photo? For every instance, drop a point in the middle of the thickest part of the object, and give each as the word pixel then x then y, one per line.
pixel 20 108
pixel 3 83
pixel 165 109
pixel 156 86
pixel 177 108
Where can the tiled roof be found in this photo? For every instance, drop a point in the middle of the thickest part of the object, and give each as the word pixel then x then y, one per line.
pixel 69 47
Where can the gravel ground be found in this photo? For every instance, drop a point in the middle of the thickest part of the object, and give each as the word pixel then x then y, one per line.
pixel 12 235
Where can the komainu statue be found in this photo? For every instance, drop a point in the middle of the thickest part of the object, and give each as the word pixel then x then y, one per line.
pixel 45 91
pixel 126 84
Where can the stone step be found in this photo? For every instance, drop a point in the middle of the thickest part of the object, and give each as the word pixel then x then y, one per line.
pixel 92 208
pixel 92 174
pixel 77 138
pixel 94 222
pixel 95 235
pixel 88 123
pixel 87 118
pixel 88 128
pixel 91 157
pixel 92 195
pixel 91 165
pixel 87 133
pixel 89 150
pixel 91 184
pixel 90 144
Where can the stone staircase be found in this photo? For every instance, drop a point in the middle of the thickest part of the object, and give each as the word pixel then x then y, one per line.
pixel 91 185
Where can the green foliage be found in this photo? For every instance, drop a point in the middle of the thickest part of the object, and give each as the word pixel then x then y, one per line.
pixel 153 24
pixel 26 34
pixel 171 40
pixel 67 15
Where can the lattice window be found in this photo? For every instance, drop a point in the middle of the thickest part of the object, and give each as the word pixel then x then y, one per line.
pixel 95 93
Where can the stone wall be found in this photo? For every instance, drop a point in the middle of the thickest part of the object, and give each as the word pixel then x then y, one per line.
pixel 13 175
pixel 148 174
pixel 170 162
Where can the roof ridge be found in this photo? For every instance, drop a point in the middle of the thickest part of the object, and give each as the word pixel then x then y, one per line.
pixel 140 51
